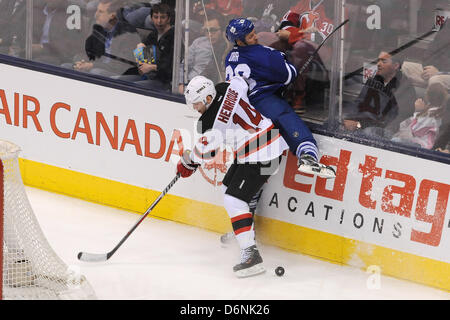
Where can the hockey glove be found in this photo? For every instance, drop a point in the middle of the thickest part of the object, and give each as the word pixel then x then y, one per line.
pixel 186 167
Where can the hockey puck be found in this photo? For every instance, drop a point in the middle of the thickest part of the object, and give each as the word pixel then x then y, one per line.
pixel 279 271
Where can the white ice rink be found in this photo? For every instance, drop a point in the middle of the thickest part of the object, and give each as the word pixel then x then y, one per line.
pixel 171 261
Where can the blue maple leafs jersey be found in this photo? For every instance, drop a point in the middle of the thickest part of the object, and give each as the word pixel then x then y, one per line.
pixel 265 69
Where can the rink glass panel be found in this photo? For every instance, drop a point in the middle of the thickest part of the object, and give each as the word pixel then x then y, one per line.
pixel 332 83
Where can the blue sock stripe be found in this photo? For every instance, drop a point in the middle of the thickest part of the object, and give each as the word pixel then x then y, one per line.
pixel 309 148
pixel 308 143
pixel 312 153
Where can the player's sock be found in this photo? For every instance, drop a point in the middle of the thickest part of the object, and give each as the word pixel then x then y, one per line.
pixel 307 147
pixel 243 229
pixel 227 237
pixel 254 201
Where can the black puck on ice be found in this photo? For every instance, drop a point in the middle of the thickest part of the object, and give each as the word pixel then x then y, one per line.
pixel 279 271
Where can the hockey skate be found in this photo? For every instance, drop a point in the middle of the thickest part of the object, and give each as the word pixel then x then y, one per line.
pixel 251 263
pixel 226 238
pixel 307 164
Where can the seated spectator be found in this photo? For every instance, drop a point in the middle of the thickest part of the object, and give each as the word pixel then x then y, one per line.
pixel 207 53
pixel 442 143
pixel 109 47
pixel 157 75
pixel 435 67
pixel 136 14
pixel 53 41
pixel 384 101
pixel 227 8
pixel 423 127
pixel 12 27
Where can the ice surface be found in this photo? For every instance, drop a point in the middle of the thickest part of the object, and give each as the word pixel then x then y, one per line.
pixel 167 260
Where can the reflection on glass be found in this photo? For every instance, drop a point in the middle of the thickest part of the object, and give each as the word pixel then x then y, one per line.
pixel 411 38
pixel 292 27
pixel 12 27
pixel 101 37
pixel 96 37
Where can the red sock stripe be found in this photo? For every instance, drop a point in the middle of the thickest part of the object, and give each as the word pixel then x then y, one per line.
pixel 242 216
pixel 242 223
pixel 238 231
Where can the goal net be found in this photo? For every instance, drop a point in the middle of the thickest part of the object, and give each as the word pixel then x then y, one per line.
pixel 29 266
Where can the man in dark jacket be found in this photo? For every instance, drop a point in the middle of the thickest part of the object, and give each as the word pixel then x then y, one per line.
pixel 54 42
pixel 12 27
pixel 385 100
pixel 110 46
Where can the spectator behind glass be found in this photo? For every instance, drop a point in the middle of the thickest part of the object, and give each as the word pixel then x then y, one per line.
pixel 232 8
pixel 227 8
pixel 424 126
pixel 435 67
pixel 385 100
pixel 110 44
pixel 443 139
pixel 136 14
pixel 302 28
pixel 12 27
pixel 207 53
pixel 53 41
pixel 160 42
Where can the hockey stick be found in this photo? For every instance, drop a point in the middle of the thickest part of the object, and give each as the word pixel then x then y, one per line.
pixel 96 34
pixel 303 68
pixel 131 63
pixel 98 257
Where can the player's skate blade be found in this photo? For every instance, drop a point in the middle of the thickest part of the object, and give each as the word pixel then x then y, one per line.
pixel 309 165
pixel 249 272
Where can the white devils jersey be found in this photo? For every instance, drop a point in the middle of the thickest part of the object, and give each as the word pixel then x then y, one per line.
pixel 235 123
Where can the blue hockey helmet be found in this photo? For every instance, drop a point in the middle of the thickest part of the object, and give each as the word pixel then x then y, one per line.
pixel 238 28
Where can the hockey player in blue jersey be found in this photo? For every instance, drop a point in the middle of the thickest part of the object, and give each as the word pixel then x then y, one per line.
pixel 268 73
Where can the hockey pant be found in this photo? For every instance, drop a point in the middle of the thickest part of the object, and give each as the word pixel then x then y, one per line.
pixel 294 131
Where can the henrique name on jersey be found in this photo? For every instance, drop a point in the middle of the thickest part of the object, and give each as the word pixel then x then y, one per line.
pixel 231 120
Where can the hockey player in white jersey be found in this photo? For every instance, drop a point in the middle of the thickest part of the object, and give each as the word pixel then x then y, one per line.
pixel 228 118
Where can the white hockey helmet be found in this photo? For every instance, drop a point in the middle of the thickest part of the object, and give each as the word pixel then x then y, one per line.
pixel 198 89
